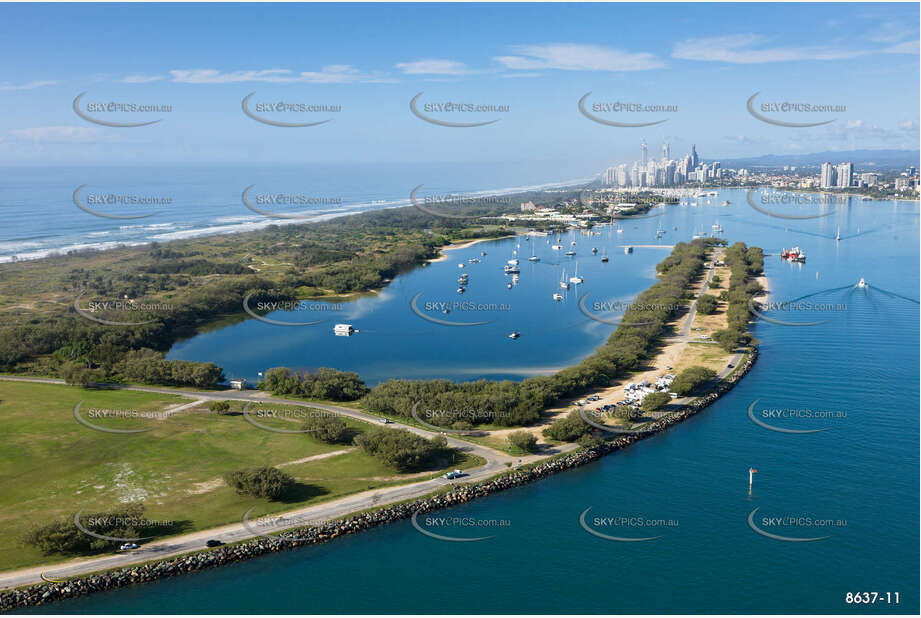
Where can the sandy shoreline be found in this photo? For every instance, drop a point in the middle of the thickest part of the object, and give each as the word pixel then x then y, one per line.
pixel 463 245
pixel 669 356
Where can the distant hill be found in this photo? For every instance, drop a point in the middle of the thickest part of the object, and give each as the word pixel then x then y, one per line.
pixel 889 159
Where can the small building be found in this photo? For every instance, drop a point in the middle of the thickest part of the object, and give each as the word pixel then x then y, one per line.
pixel 238 384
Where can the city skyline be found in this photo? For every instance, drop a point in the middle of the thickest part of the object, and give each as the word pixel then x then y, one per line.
pixel 691 168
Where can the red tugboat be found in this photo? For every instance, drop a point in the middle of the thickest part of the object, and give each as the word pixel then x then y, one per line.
pixel 793 255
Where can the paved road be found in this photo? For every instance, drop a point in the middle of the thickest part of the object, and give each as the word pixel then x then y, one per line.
pixel 683 336
pixel 685 331
pixel 496 461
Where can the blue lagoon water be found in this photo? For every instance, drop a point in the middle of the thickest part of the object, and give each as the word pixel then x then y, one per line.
pixel 861 474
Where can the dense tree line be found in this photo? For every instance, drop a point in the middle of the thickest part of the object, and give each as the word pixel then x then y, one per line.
pixel 324 383
pixel 196 280
pixel 744 263
pixel 196 267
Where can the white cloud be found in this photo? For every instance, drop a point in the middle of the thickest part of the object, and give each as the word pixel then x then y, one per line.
pixel 905 47
pixel 750 49
pixel 859 133
pixel 7 86
pixel 434 67
pixel 59 134
pixel 891 32
pixel 332 74
pixel 577 57
pixel 141 79
pixel 740 49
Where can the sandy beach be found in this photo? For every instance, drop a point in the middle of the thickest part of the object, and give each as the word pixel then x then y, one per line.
pixel 463 245
pixel 676 354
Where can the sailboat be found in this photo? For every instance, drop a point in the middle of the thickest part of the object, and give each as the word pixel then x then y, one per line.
pixel 557 296
pixel 716 227
pixel 604 255
pixel 576 278
pixel 557 246
pixel 533 257
pixel 563 283
pixel 838 233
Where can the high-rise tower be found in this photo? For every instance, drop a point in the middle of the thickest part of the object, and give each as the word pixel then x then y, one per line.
pixel 645 153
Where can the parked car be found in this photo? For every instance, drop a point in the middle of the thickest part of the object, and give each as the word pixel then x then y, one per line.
pixel 386 421
pixel 214 543
pixel 127 546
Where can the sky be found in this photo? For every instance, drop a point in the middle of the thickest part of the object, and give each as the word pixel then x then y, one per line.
pixel 700 62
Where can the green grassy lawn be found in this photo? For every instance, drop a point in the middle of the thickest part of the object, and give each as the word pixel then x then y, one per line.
pixel 51 466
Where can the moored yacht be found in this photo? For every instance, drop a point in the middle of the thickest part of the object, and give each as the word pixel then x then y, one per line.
pixel 576 278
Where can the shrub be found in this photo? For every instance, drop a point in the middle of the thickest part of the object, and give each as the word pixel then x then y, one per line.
pixel 265 482
pixel 63 536
pixel 76 374
pixel 654 401
pixel 324 383
pixel 588 440
pixel 706 304
pixel 626 413
pixel 327 427
pixel 524 440
pixel 401 449
pixel 569 428
pixel 221 407
pixel 691 378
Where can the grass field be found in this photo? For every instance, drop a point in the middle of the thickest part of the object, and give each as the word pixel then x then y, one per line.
pixel 51 466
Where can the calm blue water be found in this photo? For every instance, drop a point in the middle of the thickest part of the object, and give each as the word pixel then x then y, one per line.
pixel 862 473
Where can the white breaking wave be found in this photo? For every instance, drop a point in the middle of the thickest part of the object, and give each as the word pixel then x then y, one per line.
pixel 235 224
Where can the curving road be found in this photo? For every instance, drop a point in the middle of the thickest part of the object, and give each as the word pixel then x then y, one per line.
pixel 496 461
